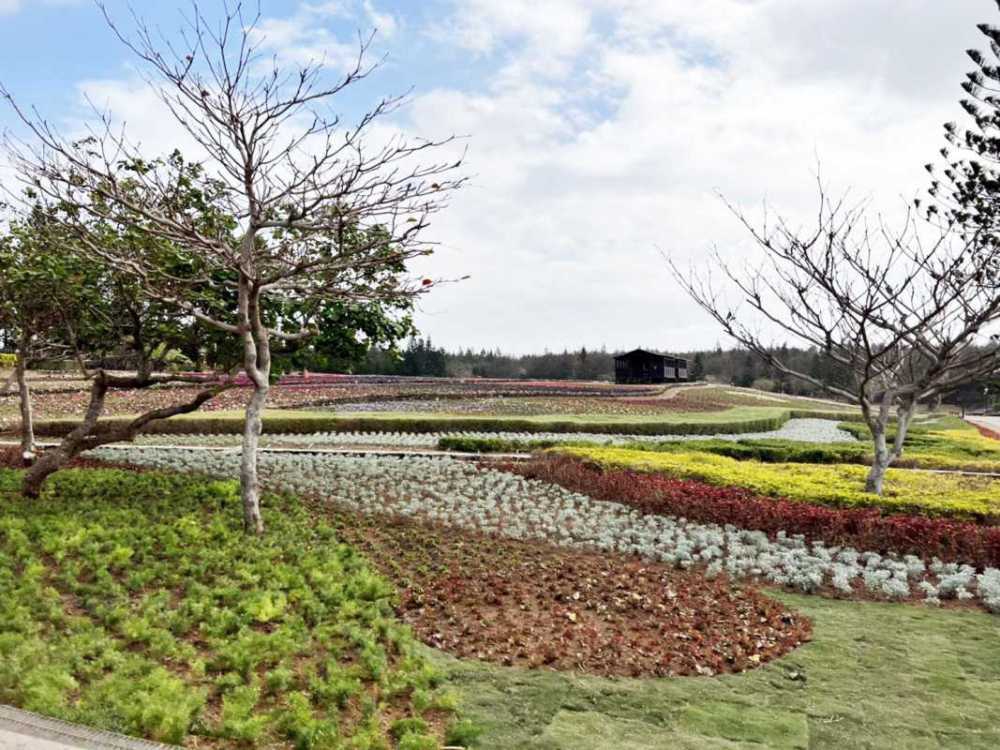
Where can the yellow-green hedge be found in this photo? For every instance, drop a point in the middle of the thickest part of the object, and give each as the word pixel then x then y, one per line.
pixel 906 491
pixel 7 359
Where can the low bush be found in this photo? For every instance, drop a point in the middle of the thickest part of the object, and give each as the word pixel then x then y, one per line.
pixel 277 424
pixel 134 602
pixel 848 417
pixel 964 497
pixel 492 445
pixel 945 443
pixel 862 528
pixel 955 448
pixel 7 360
pixel 767 451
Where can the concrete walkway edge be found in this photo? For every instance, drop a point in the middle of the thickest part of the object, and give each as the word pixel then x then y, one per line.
pixel 24 730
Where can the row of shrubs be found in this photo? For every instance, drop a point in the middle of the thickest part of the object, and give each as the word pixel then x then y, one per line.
pixel 841 485
pixel 848 417
pixel 766 451
pixel 297 424
pixel 862 528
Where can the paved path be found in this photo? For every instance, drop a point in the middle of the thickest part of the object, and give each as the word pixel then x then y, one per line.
pixel 990 423
pixel 23 730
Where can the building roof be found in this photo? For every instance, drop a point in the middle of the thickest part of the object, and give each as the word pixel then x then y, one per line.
pixel 647 353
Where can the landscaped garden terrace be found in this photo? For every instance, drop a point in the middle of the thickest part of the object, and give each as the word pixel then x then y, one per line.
pixel 696 589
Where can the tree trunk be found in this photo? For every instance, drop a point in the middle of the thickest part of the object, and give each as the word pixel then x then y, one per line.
pixel 51 461
pixel 904 414
pixel 27 419
pixel 253 523
pixel 84 436
pixel 257 364
pixel 883 455
pixel 71 446
pixel 880 462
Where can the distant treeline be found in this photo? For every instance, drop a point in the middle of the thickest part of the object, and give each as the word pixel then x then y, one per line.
pixel 733 366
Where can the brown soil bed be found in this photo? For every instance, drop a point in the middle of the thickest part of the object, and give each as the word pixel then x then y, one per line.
pixel 534 605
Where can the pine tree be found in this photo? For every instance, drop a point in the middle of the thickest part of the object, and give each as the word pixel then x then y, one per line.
pixel 965 194
pixel 697 371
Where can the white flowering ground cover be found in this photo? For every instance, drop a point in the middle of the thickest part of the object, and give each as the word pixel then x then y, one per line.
pixel 802 430
pixel 461 494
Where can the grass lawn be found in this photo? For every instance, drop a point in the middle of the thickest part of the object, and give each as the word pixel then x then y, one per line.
pixel 874 676
pixel 959 496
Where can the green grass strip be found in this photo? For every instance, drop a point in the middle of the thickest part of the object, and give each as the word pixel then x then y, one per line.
pixel 874 676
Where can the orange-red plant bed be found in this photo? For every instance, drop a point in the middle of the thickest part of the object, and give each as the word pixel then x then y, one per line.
pixel 534 605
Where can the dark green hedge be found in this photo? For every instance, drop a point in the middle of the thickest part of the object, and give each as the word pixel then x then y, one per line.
pixel 278 425
pixel 765 451
pixel 841 416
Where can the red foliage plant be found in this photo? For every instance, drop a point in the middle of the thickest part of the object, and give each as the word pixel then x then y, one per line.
pixel 987 432
pixel 863 528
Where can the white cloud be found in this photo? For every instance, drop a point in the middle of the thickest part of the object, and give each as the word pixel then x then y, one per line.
pixel 603 129
pixel 325 32
pixel 8 7
pixel 302 41
pixel 385 23
pixel 587 166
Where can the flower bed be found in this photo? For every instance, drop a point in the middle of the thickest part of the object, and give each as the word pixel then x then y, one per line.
pixel 926 493
pixel 134 602
pixel 866 529
pixel 535 605
pixel 326 390
pixel 457 493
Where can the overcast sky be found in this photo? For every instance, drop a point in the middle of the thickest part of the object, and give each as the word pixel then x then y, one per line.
pixel 599 131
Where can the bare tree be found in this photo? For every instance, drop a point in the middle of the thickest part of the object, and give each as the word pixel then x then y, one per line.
pixel 320 207
pixel 907 318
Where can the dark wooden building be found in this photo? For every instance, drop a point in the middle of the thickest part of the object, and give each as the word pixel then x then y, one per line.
pixel 641 366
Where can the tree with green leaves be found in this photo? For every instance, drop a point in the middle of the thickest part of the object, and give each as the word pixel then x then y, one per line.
pixel 324 212
pixel 965 193
pixel 58 301
pixel 44 288
pixel 697 371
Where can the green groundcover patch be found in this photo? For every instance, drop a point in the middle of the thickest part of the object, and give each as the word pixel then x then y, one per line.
pixel 134 603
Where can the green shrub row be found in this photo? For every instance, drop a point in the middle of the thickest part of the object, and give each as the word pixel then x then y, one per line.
pixel 765 451
pixel 493 445
pixel 7 359
pixel 294 425
pixel 850 417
